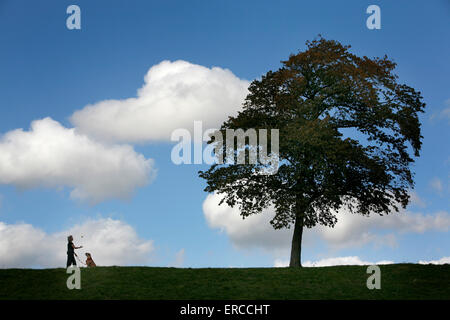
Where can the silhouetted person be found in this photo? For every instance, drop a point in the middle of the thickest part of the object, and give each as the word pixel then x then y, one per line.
pixel 71 252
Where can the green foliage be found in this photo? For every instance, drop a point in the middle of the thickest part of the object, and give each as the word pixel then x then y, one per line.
pixel 314 99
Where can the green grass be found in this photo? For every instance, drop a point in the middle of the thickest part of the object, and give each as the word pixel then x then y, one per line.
pixel 400 281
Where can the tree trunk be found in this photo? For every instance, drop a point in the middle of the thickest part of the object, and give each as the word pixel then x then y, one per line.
pixel 296 247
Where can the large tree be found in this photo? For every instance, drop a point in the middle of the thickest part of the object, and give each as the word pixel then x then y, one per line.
pixel 348 133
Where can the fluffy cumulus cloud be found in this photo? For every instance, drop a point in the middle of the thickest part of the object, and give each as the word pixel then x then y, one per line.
pixel 111 242
pixel 351 260
pixel 173 96
pixel 91 158
pixel 352 230
pixel 357 230
pixel 444 260
pixel 416 200
pixel 337 261
pixel 253 232
pixel 50 155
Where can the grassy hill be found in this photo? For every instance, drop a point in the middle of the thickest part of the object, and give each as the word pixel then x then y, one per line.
pixel 400 281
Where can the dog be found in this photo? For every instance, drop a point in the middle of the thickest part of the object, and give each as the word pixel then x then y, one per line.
pixel 89 262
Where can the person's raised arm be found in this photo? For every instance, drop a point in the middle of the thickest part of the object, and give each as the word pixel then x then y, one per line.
pixel 73 246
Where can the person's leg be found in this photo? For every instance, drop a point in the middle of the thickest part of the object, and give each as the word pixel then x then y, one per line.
pixel 71 260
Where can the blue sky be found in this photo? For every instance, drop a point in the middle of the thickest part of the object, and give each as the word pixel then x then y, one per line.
pixel 50 71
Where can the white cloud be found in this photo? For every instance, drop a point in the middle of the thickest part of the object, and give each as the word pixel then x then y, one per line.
pixel 342 261
pixel 337 261
pixel 351 260
pixel 111 242
pixel 253 232
pixel 280 263
pixel 357 230
pixel 51 155
pixel 443 260
pixel 179 259
pixel 416 200
pixel 173 96
pixel 352 230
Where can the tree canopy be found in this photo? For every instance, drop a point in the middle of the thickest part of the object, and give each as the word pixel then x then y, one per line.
pixel 348 133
